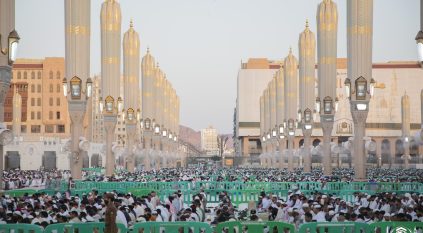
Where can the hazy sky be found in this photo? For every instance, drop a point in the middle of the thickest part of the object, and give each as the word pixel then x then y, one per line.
pixel 200 43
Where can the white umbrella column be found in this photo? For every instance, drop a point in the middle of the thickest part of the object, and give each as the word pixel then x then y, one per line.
pixel 110 72
pixel 326 102
pixel 131 61
pixel 307 54
pixel 280 115
pixel 359 84
pixel 77 85
pixel 405 120
pixel 274 140
pixel 148 72
pixel 291 97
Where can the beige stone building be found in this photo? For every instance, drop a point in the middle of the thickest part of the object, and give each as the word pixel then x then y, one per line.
pixel 383 124
pixel 46 107
pixel 209 141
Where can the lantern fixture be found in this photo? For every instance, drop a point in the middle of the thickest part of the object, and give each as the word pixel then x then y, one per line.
pixel 318 105
pixel 299 115
pixel 274 133
pixel 120 104
pixel 89 87
pixel 361 106
pixel 327 105
pixel 406 139
pixel 109 103
pixel 347 84
pixel 419 41
pixel 164 133
pixel 147 124
pixel 175 138
pixel 281 129
pixel 101 104
pixel 291 127
pixel 170 135
pixel 65 87
pixel 157 129
pixel 372 87
pixel 307 119
pixel 268 136
pixel 75 87
pixel 142 124
pixel 263 138
pixel 130 114
pixel 12 46
pixel 361 88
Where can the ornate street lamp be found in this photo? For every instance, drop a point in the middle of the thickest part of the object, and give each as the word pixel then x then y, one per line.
pixel 12 46
pixel 147 124
pixel 281 131
pixel 360 91
pixel 76 88
pixel 291 127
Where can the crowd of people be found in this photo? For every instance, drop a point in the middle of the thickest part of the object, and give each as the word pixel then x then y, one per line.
pixel 295 208
pixel 15 179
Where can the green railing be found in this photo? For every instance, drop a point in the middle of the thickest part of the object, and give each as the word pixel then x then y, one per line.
pixel 335 227
pixel 80 228
pixel 172 227
pixel 253 227
pixel 226 227
pixel 20 228
pixel 19 192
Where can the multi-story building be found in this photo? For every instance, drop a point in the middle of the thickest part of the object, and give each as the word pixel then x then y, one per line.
pixel 393 79
pixel 209 141
pixel 44 107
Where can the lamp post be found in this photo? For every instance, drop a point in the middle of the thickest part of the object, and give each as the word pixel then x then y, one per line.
pixel 419 36
pixel 273 126
pixel 280 115
pixel 359 85
pixel 9 40
pixel 326 102
pixel 290 87
pixel 405 120
pixel 76 85
pixel 307 48
pixel 110 20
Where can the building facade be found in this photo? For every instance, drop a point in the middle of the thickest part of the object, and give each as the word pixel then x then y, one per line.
pixel 209 141
pixel 383 124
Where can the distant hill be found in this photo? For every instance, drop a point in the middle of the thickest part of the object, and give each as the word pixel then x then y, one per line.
pixel 191 136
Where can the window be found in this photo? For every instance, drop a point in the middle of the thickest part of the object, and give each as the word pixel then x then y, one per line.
pixel 50 75
pixel 39 88
pixel 58 74
pixel 51 88
pixel 19 75
pixel 32 101
pixel 32 115
pixel 32 88
pixel 49 128
pixel 39 75
pixel 60 128
pixel 23 128
pixel 58 88
pixel 32 75
pixel 38 101
pixel 58 115
pixel 25 75
pixel 50 101
pixel 58 101
pixel 35 128
pixel 39 115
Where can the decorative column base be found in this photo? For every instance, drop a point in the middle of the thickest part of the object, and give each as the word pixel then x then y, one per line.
pixel 307 152
pixel 359 119
pixel 327 127
pixel 77 110
pixel 290 153
pixel 131 130
pixel 109 126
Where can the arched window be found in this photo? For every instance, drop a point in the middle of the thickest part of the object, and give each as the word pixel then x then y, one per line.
pixel 39 75
pixel 25 75
pixel 58 74
pixel 32 75
pixel 19 75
